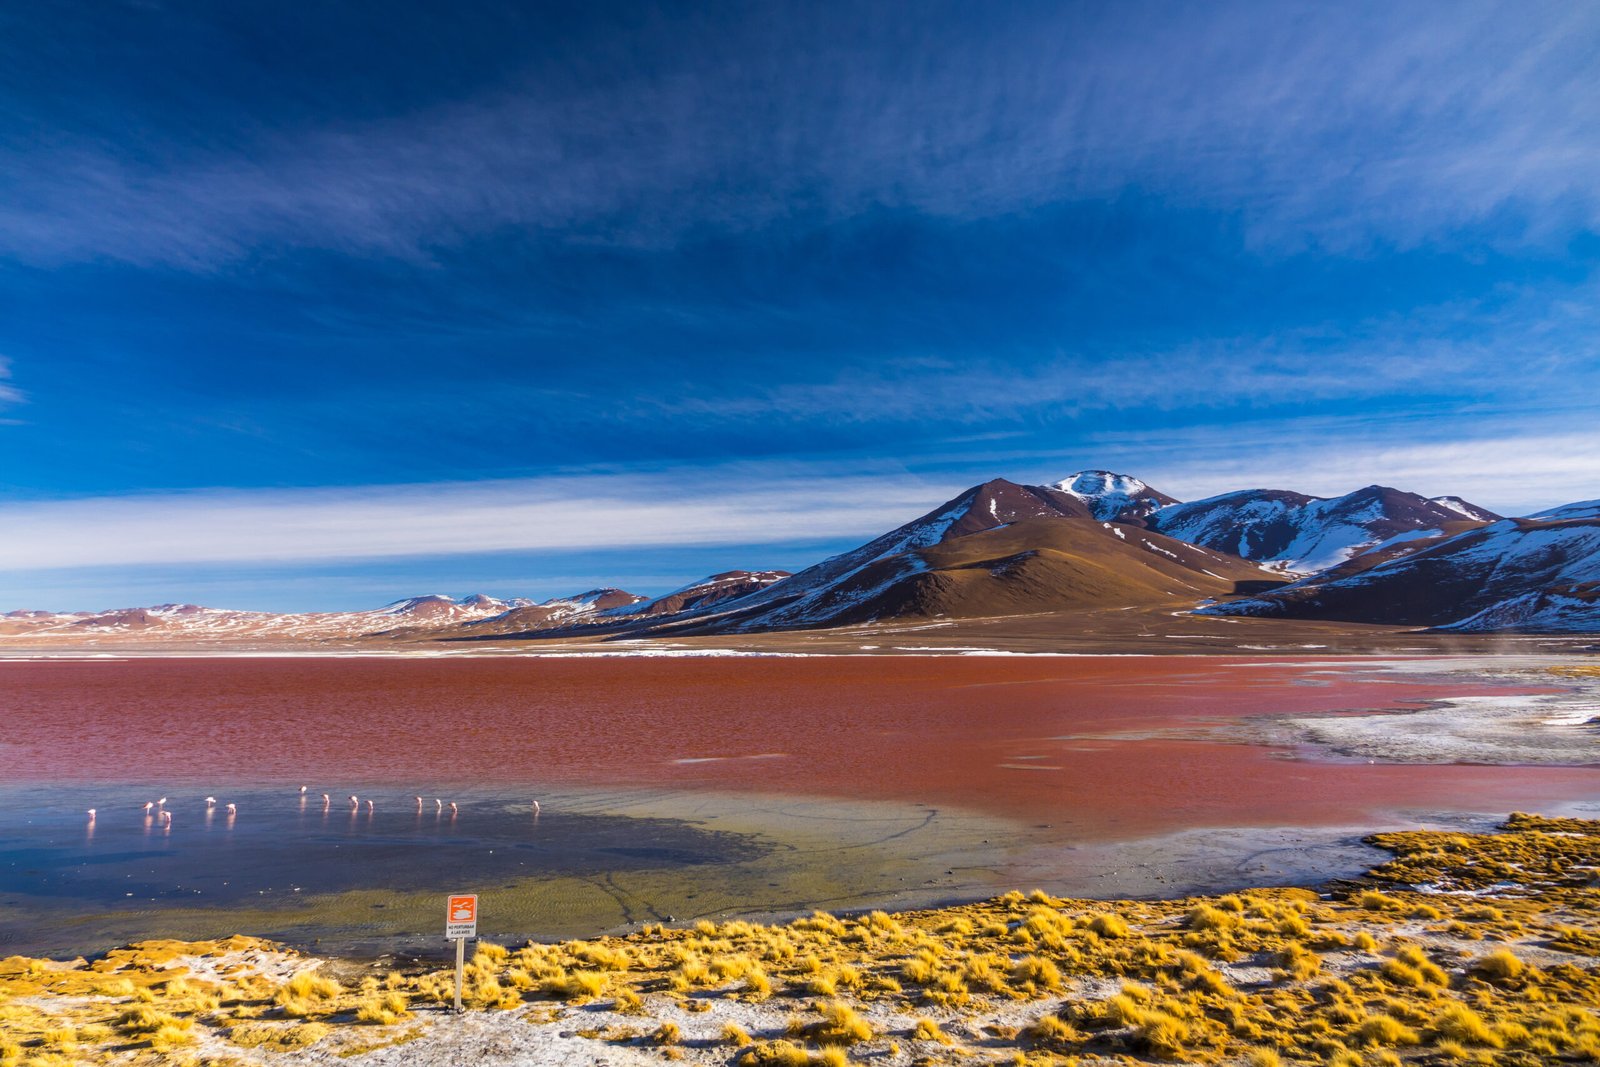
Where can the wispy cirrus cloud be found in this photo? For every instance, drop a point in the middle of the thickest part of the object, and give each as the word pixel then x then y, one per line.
pixel 709 506
pixel 1317 125
pixel 9 393
pixel 1513 473
pixel 745 506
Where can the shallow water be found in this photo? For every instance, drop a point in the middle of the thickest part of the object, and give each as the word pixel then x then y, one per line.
pixel 680 788
pixel 278 846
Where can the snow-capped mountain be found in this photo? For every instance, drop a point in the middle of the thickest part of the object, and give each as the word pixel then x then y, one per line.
pixel 997 549
pixel 1114 497
pixel 1538 574
pixel 1303 534
pixel 421 615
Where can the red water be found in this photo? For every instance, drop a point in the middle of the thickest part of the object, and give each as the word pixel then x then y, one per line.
pixel 938 730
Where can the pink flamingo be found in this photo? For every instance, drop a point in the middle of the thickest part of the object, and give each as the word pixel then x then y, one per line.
pixel 452 808
pixel 233 809
pixel 419 803
pixel 211 802
pixel 91 815
pixel 369 807
pixel 354 803
pixel 149 804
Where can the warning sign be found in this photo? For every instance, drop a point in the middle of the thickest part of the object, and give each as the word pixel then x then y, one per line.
pixel 461 916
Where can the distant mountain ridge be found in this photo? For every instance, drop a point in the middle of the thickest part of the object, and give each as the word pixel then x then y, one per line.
pixel 1093 541
pixel 1304 534
pixel 1536 574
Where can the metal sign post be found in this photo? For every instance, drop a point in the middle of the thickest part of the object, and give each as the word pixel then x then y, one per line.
pixel 460 923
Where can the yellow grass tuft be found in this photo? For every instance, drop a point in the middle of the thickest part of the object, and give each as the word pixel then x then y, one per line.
pixel 1457 1022
pixel 575 986
pixel 775 1054
pixel 1498 966
pixel 384 1010
pixel 1108 924
pixel 1384 1030
pixel 307 993
pixel 1206 917
pixel 840 1025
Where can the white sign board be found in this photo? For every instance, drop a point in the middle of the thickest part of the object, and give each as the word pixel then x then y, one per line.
pixel 461 916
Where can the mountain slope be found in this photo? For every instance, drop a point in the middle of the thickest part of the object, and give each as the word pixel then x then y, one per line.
pixel 697 596
pixel 997 549
pixel 1539 574
pixel 1300 533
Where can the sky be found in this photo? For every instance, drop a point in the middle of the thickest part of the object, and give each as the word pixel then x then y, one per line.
pixel 319 306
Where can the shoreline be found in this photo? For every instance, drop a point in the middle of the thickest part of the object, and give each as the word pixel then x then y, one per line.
pixel 1461 947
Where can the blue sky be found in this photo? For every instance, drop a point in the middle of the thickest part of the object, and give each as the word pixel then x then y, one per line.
pixel 320 306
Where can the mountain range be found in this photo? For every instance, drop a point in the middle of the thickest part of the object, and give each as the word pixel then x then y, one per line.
pixel 1095 541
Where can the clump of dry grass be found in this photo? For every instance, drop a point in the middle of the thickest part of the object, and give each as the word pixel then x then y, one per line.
pixel 788 1054
pixel 1384 1030
pixel 840 1025
pixel 383 1009
pixel 1457 1022
pixel 1499 966
pixel 307 993
pixel 575 986
pixel 1108 924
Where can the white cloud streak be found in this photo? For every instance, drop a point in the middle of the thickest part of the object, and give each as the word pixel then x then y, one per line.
pixel 9 394
pixel 751 506
pixel 575 513
pixel 1513 473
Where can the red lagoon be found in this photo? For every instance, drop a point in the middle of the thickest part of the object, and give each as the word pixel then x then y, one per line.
pixel 1011 736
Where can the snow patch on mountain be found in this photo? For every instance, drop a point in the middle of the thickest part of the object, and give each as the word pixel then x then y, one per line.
pixel 1110 495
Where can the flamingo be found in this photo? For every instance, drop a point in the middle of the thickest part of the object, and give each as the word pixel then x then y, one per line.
pixel 452 807
pixel 419 803
pixel 211 802
pixel 536 807
pixel 166 818
pixel 91 815
pixel 354 803
pixel 302 790
pixel 161 803
pixel 369 807
pixel 325 801
pixel 233 809
pixel 438 805
pixel 148 805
